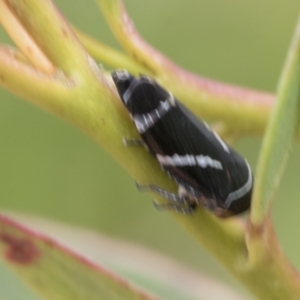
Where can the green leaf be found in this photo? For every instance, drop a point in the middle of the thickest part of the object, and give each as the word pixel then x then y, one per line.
pixel 54 271
pixel 280 134
pixel 56 266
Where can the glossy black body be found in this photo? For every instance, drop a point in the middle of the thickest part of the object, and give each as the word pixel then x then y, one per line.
pixel 208 172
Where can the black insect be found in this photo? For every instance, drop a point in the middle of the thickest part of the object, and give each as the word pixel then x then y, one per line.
pixel 208 172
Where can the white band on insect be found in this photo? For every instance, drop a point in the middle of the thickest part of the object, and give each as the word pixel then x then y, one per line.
pixel 187 160
pixel 145 121
pixel 242 191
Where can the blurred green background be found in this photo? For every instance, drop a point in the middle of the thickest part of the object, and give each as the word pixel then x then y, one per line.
pixel 50 169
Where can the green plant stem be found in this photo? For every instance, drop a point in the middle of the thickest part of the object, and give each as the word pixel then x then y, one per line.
pixel 241 109
pixel 109 56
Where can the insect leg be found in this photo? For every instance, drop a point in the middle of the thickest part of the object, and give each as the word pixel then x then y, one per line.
pixel 162 192
pixel 182 208
pixel 175 201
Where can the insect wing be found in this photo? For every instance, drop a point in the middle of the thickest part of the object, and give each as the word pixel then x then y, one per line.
pixel 197 158
pixel 193 155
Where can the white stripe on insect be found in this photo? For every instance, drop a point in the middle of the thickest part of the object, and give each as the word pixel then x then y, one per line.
pixel 165 105
pixel 130 89
pixel 145 121
pixel 187 160
pixel 146 118
pixel 157 113
pixel 150 118
pixel 225 147
pixel 242 191
pixel 221 142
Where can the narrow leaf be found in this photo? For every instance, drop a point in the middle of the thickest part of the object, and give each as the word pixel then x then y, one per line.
pixel 280 134
pixel 147 268
pixel 56 272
